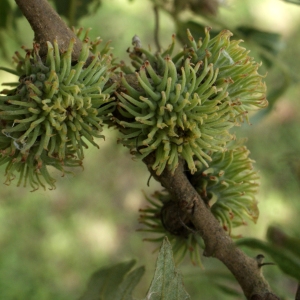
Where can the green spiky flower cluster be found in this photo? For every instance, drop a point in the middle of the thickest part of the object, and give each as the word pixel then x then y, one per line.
pixel 228 185
pixel 185 104
pixel 48 117
pixel 156 218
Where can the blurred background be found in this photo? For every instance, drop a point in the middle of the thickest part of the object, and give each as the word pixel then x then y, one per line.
pixel 52 241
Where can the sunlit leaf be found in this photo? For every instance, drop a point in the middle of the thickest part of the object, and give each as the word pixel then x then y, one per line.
pixel 113 282
pixel 5 10
pixel 167 283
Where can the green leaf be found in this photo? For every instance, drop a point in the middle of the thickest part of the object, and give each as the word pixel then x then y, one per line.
pixel 127 286
pixel 286 261
pixel 73 10
pixel 228 290
pixel 196 29
pixel 167 283
pixel 5 10
pixel 113 282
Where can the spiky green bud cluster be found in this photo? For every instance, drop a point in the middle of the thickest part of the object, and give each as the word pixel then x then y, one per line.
pixel 54 110
pixel 228 186
pixel 185 104
pixel 163 218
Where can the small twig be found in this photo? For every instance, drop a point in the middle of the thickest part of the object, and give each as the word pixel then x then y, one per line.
pixel 156 28
pixel 260 258
pixel 148 181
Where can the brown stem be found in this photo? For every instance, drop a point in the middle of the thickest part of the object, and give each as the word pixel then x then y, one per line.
pixel 47 26
pixel 217 243
pixel 297 297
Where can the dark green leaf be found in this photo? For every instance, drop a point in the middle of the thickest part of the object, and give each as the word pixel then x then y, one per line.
pixel 195 28
pixel 281 239
pixel 293 1
pixel 228 290
pixel 73 10
pixel 113 282
pixel 129 283
pixel 167 283
pixel 285 260
pixel 277 91
pixel 5 10
pixel 224 281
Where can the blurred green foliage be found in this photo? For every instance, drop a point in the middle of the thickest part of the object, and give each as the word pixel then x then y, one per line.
pixel 74 10
pixel 113 282
pixel 50 242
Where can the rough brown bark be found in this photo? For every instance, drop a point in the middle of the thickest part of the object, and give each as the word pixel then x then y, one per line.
pixel 48 26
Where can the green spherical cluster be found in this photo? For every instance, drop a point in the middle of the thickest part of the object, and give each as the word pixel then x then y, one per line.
pixel 246 90
pixel 185 104
pixel 229 185
pixel 163 218
pixel 55 109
